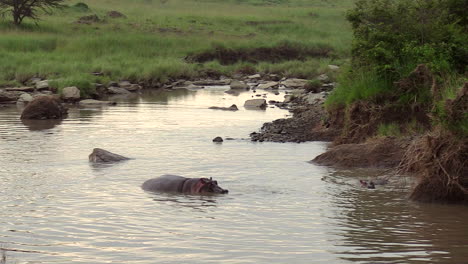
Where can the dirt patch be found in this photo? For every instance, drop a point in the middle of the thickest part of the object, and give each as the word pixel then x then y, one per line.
pixel 383 152
pixel 115 14
pixel 440 159
pixel 271 54
pixel 89 19
pixel 267 22
pixel 170 30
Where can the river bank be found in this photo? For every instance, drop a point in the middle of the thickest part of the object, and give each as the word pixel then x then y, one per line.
pixel 433 154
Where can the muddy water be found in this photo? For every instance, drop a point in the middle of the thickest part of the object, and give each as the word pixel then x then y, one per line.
pixel 55 207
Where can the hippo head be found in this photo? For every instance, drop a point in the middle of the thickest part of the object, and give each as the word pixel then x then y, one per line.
pixel 209 186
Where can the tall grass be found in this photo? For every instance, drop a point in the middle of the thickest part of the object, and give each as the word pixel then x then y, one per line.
pixel 153 40
pixel 357 85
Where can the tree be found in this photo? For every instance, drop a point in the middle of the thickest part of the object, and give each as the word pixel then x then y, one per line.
pixel 21 9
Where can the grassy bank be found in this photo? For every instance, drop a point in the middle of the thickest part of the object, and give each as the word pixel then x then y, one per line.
pixel 407 78
pixel 155 37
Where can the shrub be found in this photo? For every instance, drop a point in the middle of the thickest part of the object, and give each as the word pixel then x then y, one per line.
pixel 394 35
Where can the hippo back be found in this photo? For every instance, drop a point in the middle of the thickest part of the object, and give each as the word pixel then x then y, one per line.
pixel 165 183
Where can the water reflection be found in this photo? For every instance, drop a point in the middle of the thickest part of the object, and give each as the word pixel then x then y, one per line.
pixel 198 202
pixel 164 96
pixel 37 125
pixel 382 226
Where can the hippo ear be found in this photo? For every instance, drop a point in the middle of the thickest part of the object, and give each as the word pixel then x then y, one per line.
pixel 211 178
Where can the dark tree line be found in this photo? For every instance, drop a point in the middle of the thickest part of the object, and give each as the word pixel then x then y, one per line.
pixel 21 9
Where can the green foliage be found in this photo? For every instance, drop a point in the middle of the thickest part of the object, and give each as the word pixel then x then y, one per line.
pixel 389 34
pixel 80 7
pixel 87 88
pixel 360 84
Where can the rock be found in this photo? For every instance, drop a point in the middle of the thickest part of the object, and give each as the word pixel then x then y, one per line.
pixel 287 98
pixel 133 88
pixel 42 85
pixel 255 76
pixel 315 98
pixel 71 93
pixel 103 156
pixel 255 103
pixel 92 102
pixel 274 77
pixel 268 85
pixel 294 83
pixel 231 108
pixel 44 107
pixel 238 85
pixel 34 80
pixel 218 139
pixel 123 84
pixel 323 77
pixel 212 82
pixel 115 14
pixel 117 90
pixel 333 67
pixel 328 86
pixel 8 96
pixel 113 84
pixel 20 89
pixel 25 98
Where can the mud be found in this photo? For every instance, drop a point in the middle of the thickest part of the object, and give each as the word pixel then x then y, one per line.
pixel 384 152
pixel 279 53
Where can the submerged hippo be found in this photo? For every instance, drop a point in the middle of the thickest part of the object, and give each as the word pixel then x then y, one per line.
pixel 179 184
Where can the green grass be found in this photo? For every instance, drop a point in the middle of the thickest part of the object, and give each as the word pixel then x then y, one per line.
pixel 357 85
pixel 389 130
pixel 153 40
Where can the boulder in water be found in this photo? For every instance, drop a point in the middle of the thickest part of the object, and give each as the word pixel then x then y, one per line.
pixel 103 156
pixel 44 107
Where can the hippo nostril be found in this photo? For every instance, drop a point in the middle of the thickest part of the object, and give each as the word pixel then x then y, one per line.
pixel 225 191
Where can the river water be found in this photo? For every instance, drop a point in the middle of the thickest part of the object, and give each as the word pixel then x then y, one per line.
pixel 56 207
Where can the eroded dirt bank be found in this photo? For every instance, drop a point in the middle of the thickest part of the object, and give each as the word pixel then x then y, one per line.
pixel 436 154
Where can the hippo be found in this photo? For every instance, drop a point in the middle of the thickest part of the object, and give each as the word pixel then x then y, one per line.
pixel 368 185
pixel 179 184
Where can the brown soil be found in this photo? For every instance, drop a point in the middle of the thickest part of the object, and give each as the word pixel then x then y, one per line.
pixel 89 19
pixel 271 54
pixel 362 119
pixel 384 152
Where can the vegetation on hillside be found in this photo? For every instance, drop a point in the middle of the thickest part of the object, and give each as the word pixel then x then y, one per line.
pixel 153 39
pixel 393 37
pixel 407 76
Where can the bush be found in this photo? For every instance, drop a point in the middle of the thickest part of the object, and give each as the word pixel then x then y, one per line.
pixel 393 36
